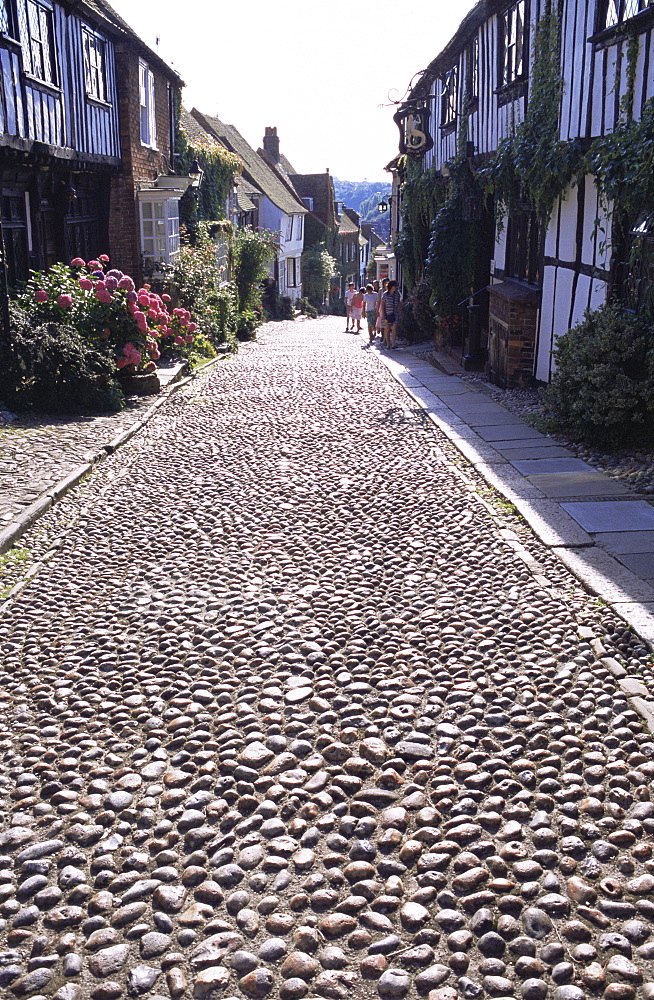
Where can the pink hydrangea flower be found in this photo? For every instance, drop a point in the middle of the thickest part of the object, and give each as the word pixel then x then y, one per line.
pixel 41 295
pixel 144 300
pixel 64 301
pixel 126 283
pixel 77 262
pixel 121 362
pixel 85 284
pixel 179 340
pixel 131 297
pixel 104 258
pixel 111 283
pixel 95 265
pixel 155 354
pixel 165 297
pixel 188 339
pixel 192 327
pixel 104 296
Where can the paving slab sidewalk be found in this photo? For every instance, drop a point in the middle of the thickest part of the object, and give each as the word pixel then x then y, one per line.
pixel 598 528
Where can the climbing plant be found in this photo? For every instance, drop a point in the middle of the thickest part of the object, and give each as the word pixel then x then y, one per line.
pixel 423 194
pixel 206 203
pixel 532 163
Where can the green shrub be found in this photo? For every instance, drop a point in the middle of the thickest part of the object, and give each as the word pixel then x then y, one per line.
pixel 602 392
pixel 247 323
pixel 286 310
pixel 306 308
pixel 52 367
pixel 252 251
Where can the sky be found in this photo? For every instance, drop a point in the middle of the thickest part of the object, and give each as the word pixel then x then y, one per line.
pixel 320 72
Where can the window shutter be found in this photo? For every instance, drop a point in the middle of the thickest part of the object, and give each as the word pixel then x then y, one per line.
pixel 151 109
pixel 143 101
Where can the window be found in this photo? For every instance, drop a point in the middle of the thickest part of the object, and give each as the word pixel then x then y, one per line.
pixel 39 52
pixel 634 272
pixel 6 23
pixel 449 97
pixel 94 65
pixel 512 44
pixel 299 227
pixel 612 12
pixel 308 203
pixel 148 120
pixel 159 226
pixel 472 71
pixel 524 243
pixel 290 272
pixel 298 271
pixel 289 228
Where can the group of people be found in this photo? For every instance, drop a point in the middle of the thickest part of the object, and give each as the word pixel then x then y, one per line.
pixel 382 307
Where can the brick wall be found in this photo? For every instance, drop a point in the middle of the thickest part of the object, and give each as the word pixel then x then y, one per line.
pixel 513 323
pixel 139 163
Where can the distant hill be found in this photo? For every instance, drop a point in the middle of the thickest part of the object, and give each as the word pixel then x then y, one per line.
pixel 364 197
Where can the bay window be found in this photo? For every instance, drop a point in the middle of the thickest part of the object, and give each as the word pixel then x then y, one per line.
pixel 159 217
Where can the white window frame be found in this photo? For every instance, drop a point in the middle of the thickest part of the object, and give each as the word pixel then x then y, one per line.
pixel 147 106
pixel 95 65
pixel 39 53
pixel 291 274
pixel 159 225
pixel 289 228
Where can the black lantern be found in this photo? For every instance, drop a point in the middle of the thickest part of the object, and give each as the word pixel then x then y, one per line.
pixel 196 173
pixel 382 206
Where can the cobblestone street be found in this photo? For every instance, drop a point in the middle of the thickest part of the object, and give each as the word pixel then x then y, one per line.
pixel 294 707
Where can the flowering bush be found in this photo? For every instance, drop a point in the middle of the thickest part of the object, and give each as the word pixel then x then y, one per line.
pixel 107 309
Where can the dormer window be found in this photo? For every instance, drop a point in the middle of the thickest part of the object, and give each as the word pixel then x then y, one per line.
pixel 449 97
pixel 512 44
pixel 614 12
pixel 94 65
pixel 472 71
pixel 148 119
pixel 39 52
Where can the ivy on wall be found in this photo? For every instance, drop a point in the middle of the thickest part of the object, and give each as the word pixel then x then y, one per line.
pixel 206 203
pixel 533 164
pixel 423 194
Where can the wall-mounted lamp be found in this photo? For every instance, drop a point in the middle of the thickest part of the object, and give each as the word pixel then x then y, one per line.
pixel 196 173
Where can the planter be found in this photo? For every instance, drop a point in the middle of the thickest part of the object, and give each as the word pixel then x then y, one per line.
pixel 139 385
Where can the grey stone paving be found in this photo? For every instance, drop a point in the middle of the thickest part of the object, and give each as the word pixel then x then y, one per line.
pixel 290 714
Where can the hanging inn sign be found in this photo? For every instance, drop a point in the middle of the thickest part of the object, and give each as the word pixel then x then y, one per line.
pixel 413 123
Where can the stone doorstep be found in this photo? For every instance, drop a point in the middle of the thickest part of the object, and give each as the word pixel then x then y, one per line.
pixel 172 373
pixel 511 432
pixel 567 485
pixel 626 542
pixel 527 453
pixel 605 576
pixel 533 466
pixel 610 516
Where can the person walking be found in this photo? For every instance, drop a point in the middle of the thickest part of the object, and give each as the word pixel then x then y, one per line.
pixel 390 313
pixel 356 309
pixel 349 295
pixel 370 301
pixel 380 289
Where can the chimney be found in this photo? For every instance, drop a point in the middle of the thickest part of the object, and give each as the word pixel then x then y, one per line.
pixel 271 143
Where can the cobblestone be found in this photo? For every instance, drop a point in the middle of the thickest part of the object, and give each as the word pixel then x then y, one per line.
pixel 287 713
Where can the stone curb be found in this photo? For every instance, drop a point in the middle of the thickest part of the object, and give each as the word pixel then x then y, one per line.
pixel 600 574
pixel 16 528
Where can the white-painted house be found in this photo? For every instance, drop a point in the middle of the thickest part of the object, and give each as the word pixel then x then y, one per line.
pixel 278 207
pixel 541 282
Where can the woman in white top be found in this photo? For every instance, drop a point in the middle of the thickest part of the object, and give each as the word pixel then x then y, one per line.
pixel 370 305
